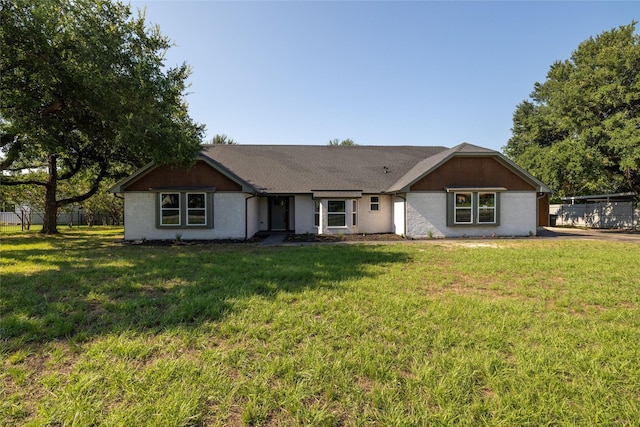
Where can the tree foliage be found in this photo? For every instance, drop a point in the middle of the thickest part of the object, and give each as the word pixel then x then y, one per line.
pixel 222 139
pixel 336 142
pixel 580 130
pixel 84 90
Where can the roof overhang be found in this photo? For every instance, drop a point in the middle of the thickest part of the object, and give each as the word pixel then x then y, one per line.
pixel 193 189
pixel 474 189
pixel 337 194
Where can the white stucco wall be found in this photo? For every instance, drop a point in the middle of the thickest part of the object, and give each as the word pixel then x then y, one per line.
pixel 140 218
pixel 253 216
pixel 380 221
pixel 304 215
pixel 428 212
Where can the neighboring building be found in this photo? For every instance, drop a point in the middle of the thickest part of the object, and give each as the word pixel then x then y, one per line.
pixel 618 210
pixel 235 191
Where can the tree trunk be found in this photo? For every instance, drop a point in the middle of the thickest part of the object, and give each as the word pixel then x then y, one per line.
pixel 50 223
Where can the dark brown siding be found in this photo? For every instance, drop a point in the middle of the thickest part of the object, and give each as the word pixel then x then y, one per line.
pixel 543 210
pixel 200 175
pixel 472 172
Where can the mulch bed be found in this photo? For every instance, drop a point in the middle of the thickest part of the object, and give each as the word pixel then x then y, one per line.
pixel 295 238
pixel 290 238
pixel 188 242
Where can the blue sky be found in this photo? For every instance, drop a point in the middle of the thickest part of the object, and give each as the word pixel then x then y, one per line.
pixel 380 73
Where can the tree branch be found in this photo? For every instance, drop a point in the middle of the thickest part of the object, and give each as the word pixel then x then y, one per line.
pixel 73 169
pixel 13 182
pixel 93 190
pixel 15 146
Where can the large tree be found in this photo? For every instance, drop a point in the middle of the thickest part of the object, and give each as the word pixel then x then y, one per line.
pixel 580 130
pixel 84 90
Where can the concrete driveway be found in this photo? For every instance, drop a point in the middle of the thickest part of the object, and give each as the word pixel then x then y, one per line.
pixel 589 234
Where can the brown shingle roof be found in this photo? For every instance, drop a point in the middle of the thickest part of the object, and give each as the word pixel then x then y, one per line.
pixel 308 168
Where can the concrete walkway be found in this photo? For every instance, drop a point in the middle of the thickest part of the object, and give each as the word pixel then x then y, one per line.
pixel 589 234
pixel 273 239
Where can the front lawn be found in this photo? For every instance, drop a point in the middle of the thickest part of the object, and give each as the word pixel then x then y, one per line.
pixel 486 332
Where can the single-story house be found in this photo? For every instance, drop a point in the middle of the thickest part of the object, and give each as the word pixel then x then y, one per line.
pixel 236 191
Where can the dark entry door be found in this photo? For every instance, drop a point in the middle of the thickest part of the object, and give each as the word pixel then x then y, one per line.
pixel 279 213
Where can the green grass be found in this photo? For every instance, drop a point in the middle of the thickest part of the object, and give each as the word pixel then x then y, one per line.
pixel 492 332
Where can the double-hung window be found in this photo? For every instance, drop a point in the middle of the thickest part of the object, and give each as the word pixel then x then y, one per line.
pixel 182 209
pixel 170 209
pixel 354 212
pixel 486 208
pixel 316 213
pixel 196 209
pixel 473 207
pixel 336 213
pixel 463 208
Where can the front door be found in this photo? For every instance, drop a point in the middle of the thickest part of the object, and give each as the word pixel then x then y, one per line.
pixel 279 208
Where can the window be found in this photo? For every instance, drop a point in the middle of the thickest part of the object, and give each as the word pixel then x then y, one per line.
pixel 184 209
pixel 463 206
pixel 486 208
pixel 316 212
pixel 354 212
pixel 473 208
pixel 196 209
pixel 375 203
pixel 169 208
pixel 336 213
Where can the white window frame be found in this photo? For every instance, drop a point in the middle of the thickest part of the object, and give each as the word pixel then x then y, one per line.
pixel 316 213
pixel 475 193
pixel 487 208
pixel 335 214
pixel 354 212
pixel 200 224
pixel 456 208
pixel 163 209
pixel 374 206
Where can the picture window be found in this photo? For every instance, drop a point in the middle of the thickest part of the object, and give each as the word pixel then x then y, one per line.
pixel 336 213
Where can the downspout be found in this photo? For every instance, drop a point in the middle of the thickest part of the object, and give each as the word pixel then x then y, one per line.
pixel 246 216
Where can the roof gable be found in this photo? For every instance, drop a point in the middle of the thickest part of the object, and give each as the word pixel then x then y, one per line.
pixel 204 173
pixel 200 175
pixel 472 172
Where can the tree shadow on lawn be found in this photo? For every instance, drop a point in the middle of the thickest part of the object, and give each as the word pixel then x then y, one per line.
pixel 78 287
